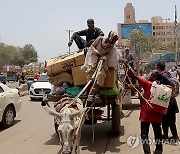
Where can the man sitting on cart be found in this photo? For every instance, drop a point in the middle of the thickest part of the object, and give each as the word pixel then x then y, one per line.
pixel 91 33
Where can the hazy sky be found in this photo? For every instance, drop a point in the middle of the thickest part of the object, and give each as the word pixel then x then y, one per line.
pixel 43 23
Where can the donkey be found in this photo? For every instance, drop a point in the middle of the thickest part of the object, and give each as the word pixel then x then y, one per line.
pixel 68 118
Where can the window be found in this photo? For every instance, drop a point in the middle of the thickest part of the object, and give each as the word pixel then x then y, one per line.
pixel 169 39
pixel 168 33
pixel 128 16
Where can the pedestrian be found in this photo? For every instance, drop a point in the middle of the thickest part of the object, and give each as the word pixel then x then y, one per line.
pixel 91 33
pixel 2 78
pixel 36 77
pixel 169 120
pixel 129 58
pixel 22 78
pixel 148 115
pixel 173 72
pixel 178 73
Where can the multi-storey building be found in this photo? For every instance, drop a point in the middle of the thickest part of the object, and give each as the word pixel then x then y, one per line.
pixel 164 31
pixel 158 27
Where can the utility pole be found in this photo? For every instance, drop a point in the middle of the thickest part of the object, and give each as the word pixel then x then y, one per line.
pixel 69 36
pixel 165 24
pixel 176 36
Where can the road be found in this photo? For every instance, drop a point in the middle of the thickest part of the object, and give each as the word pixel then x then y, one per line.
pixel 33 133
pixel 12 84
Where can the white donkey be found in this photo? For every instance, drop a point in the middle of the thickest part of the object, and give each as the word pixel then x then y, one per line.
pixel 69 118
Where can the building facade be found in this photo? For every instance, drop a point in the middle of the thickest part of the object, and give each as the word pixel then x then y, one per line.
pixel 163 30
pixel 129 14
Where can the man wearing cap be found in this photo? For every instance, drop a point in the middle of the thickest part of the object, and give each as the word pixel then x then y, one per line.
pixel 91 34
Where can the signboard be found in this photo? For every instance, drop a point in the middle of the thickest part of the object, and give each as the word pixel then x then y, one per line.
pixel 126 29
pixel 166 57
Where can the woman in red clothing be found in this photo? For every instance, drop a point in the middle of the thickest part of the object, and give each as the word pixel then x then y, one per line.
pixel 148 115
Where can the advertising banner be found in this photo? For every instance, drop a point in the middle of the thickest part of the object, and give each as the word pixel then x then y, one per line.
pixel 126 29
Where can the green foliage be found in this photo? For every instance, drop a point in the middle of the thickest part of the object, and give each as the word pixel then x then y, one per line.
pixel 142 44
pixel 16 55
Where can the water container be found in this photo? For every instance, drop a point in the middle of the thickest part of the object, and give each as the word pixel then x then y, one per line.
pixel 160 97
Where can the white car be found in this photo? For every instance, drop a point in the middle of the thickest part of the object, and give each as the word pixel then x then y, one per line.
pixel 40 87
pixel 10 104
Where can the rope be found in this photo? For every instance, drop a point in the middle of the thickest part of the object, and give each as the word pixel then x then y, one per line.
pixel 138 91
pixel 94 78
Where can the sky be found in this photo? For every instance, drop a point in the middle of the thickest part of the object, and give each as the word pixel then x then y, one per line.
pixel 43 23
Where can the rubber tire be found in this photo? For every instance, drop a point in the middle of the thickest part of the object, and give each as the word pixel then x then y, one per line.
pixel 89 122
pixel 5 123
pixel 116 119
pixel 32 99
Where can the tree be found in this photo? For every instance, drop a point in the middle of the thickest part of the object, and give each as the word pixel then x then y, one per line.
pixel 18 56
pixel 28 54
pixel 142 44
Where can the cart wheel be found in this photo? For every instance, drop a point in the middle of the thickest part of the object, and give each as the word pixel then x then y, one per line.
pixel 89 122
pixel 116 121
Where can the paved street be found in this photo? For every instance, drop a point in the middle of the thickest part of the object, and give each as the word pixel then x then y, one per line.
pixel 33 133
pixel 12 84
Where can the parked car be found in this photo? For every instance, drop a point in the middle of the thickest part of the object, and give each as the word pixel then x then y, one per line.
pixel 40 87
pixel 2 78
pixel 10 104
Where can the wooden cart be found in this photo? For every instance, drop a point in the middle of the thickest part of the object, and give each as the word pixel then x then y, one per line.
pixel 103 102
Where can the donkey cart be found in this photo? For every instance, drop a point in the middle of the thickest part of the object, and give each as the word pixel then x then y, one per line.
pixel 72 111
pixel 102 108
pixel 94 103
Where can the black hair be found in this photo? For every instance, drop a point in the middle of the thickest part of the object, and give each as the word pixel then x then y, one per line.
pixel 90 20
pixel 157 74
pixel 161 65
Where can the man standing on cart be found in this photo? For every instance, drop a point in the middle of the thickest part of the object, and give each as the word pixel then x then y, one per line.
pixel 102 47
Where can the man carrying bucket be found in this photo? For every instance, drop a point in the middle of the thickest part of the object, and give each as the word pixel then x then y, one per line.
pixel 169 120
pixel 148 115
